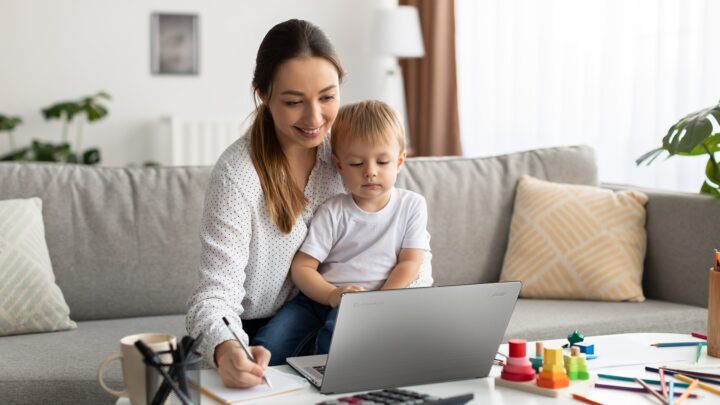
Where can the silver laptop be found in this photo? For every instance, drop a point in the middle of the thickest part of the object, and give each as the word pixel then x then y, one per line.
pixel 412 336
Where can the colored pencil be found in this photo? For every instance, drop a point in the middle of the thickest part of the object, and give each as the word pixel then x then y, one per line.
pixel 584 399
pixel 671 372
pixel 687 392
pixel 652 391
pixel 698 335
pixel 679 344
pixel 663 387
pixel 631 389
pixel 702 385
pixel 698 353
pixel 632 379
pixel 693 373
pixel 671 393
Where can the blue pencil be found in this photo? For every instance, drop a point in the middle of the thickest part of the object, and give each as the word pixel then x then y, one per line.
pixel 679 344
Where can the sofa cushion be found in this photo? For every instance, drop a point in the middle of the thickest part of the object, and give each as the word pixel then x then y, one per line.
pixel 30 301
pixel 470 203
pixel 123 242
pixel 535 319
pixel 572 241
pixel 62 366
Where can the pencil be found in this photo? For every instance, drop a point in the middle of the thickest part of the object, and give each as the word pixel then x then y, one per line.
pixel 652 391
pixel 687 392
pixel 633 389
pixel 671 393
pixel 692 373
pixel 678 344
pixel 698 352
pixel 584 399
pixel 671 372
pixel 698 335
pixel 632 379
pixel 245 349
pixel 702 385
pixel 663 387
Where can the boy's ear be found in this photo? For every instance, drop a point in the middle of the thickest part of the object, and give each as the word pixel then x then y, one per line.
pixel 401 160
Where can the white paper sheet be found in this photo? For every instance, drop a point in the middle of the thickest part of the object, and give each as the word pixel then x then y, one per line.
pixel 281 382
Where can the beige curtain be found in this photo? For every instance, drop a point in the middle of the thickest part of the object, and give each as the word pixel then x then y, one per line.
pixel 431 83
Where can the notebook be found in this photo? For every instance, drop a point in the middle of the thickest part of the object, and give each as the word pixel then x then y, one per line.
pixel 213 387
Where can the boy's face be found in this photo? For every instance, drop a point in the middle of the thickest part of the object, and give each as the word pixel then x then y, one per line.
pixel 369 171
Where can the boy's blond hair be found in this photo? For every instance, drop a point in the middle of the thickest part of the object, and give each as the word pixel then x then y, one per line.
pixel 369 121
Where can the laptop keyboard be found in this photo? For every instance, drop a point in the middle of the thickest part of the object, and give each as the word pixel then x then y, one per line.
pixel 396 396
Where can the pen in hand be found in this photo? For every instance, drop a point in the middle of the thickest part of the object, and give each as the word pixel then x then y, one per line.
pixel 245 349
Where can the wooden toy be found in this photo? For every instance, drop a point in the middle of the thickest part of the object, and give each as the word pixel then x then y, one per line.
pixel 553 374
pixel 537 359
pixel 518 367
pixel 552 381
pixel 576 365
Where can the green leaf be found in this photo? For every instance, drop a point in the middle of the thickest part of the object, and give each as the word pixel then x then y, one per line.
pixel 690 131
pixel 8 123
pixel 43 152
pixel 712 171
pixel 709 189
pixel 91 156
pixel 652 155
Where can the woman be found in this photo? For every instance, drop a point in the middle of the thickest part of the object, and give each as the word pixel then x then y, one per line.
pixel 262 194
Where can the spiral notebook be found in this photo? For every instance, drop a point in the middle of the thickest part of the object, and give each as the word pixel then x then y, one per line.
pixel 213 387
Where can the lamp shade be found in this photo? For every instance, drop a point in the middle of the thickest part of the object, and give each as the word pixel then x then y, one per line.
pixel 398 33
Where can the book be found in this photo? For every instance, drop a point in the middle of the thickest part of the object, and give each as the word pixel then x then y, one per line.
pixel 213 387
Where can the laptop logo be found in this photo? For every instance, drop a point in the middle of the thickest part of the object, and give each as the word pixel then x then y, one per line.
pixel 499 294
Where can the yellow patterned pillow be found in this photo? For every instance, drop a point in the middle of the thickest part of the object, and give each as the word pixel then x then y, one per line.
pixel 576 242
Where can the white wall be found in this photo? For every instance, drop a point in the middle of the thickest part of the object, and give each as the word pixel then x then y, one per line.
pixel 52 50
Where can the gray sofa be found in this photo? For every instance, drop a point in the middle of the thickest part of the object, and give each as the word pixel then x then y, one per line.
pixel 124 248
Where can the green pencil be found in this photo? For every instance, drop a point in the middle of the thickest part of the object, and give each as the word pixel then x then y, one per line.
pixel 631 379
pixel 698 352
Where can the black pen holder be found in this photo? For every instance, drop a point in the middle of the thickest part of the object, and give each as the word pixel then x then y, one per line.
pixel 185 375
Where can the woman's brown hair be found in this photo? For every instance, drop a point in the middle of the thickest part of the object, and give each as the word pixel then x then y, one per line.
pixel 290 39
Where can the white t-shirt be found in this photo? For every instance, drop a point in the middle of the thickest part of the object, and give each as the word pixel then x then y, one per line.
pixel 361 248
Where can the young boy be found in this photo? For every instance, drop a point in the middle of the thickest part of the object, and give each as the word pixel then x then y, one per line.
pixel 373 238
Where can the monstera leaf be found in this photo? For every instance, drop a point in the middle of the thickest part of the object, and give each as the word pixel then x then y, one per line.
pixel 692 136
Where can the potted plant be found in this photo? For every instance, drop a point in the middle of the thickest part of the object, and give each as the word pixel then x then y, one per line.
pixel 693 136
pixel 8 124
pixel 89 106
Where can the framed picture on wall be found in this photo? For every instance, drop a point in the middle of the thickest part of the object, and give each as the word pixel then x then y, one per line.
pixel 175 44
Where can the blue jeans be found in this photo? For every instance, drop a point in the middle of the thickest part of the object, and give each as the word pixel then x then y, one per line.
pixel 300 327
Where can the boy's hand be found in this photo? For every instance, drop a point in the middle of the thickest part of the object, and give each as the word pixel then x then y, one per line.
pixel 336 294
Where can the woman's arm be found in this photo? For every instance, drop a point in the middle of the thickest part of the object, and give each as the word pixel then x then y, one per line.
pixel 406 269
pixel 225 240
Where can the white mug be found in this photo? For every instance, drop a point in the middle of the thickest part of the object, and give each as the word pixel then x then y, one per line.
pixel 133 366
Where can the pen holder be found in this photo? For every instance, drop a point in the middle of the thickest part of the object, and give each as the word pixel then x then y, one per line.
pixel 713 324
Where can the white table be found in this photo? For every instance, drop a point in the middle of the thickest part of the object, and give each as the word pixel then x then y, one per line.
pixel 486 392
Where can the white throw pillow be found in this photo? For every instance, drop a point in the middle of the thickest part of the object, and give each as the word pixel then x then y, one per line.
pixel 30 301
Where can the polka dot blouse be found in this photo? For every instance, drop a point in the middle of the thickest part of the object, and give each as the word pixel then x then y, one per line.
pixel 245 258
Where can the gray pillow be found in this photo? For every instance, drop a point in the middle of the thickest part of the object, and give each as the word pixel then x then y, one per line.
pixel 30 301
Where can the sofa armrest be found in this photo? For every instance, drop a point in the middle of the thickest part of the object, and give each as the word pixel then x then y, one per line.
pixel 682 231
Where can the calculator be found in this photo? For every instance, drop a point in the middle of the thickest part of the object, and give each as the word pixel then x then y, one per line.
pixel 395 396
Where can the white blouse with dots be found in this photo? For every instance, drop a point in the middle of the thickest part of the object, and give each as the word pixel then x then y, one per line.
pixel 245 257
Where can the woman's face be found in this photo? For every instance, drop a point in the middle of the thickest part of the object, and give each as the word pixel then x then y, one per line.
pixel 304 101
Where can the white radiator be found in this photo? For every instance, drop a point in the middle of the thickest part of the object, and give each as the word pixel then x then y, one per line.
pixel 198 142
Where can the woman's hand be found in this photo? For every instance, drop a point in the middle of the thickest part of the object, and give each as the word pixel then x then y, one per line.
pixel 336 294
pixel 235 369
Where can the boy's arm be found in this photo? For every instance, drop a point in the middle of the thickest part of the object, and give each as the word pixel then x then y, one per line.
pixel 303 271
pixel 406 270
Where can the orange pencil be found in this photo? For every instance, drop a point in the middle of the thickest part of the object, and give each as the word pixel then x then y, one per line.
pixel 586 400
